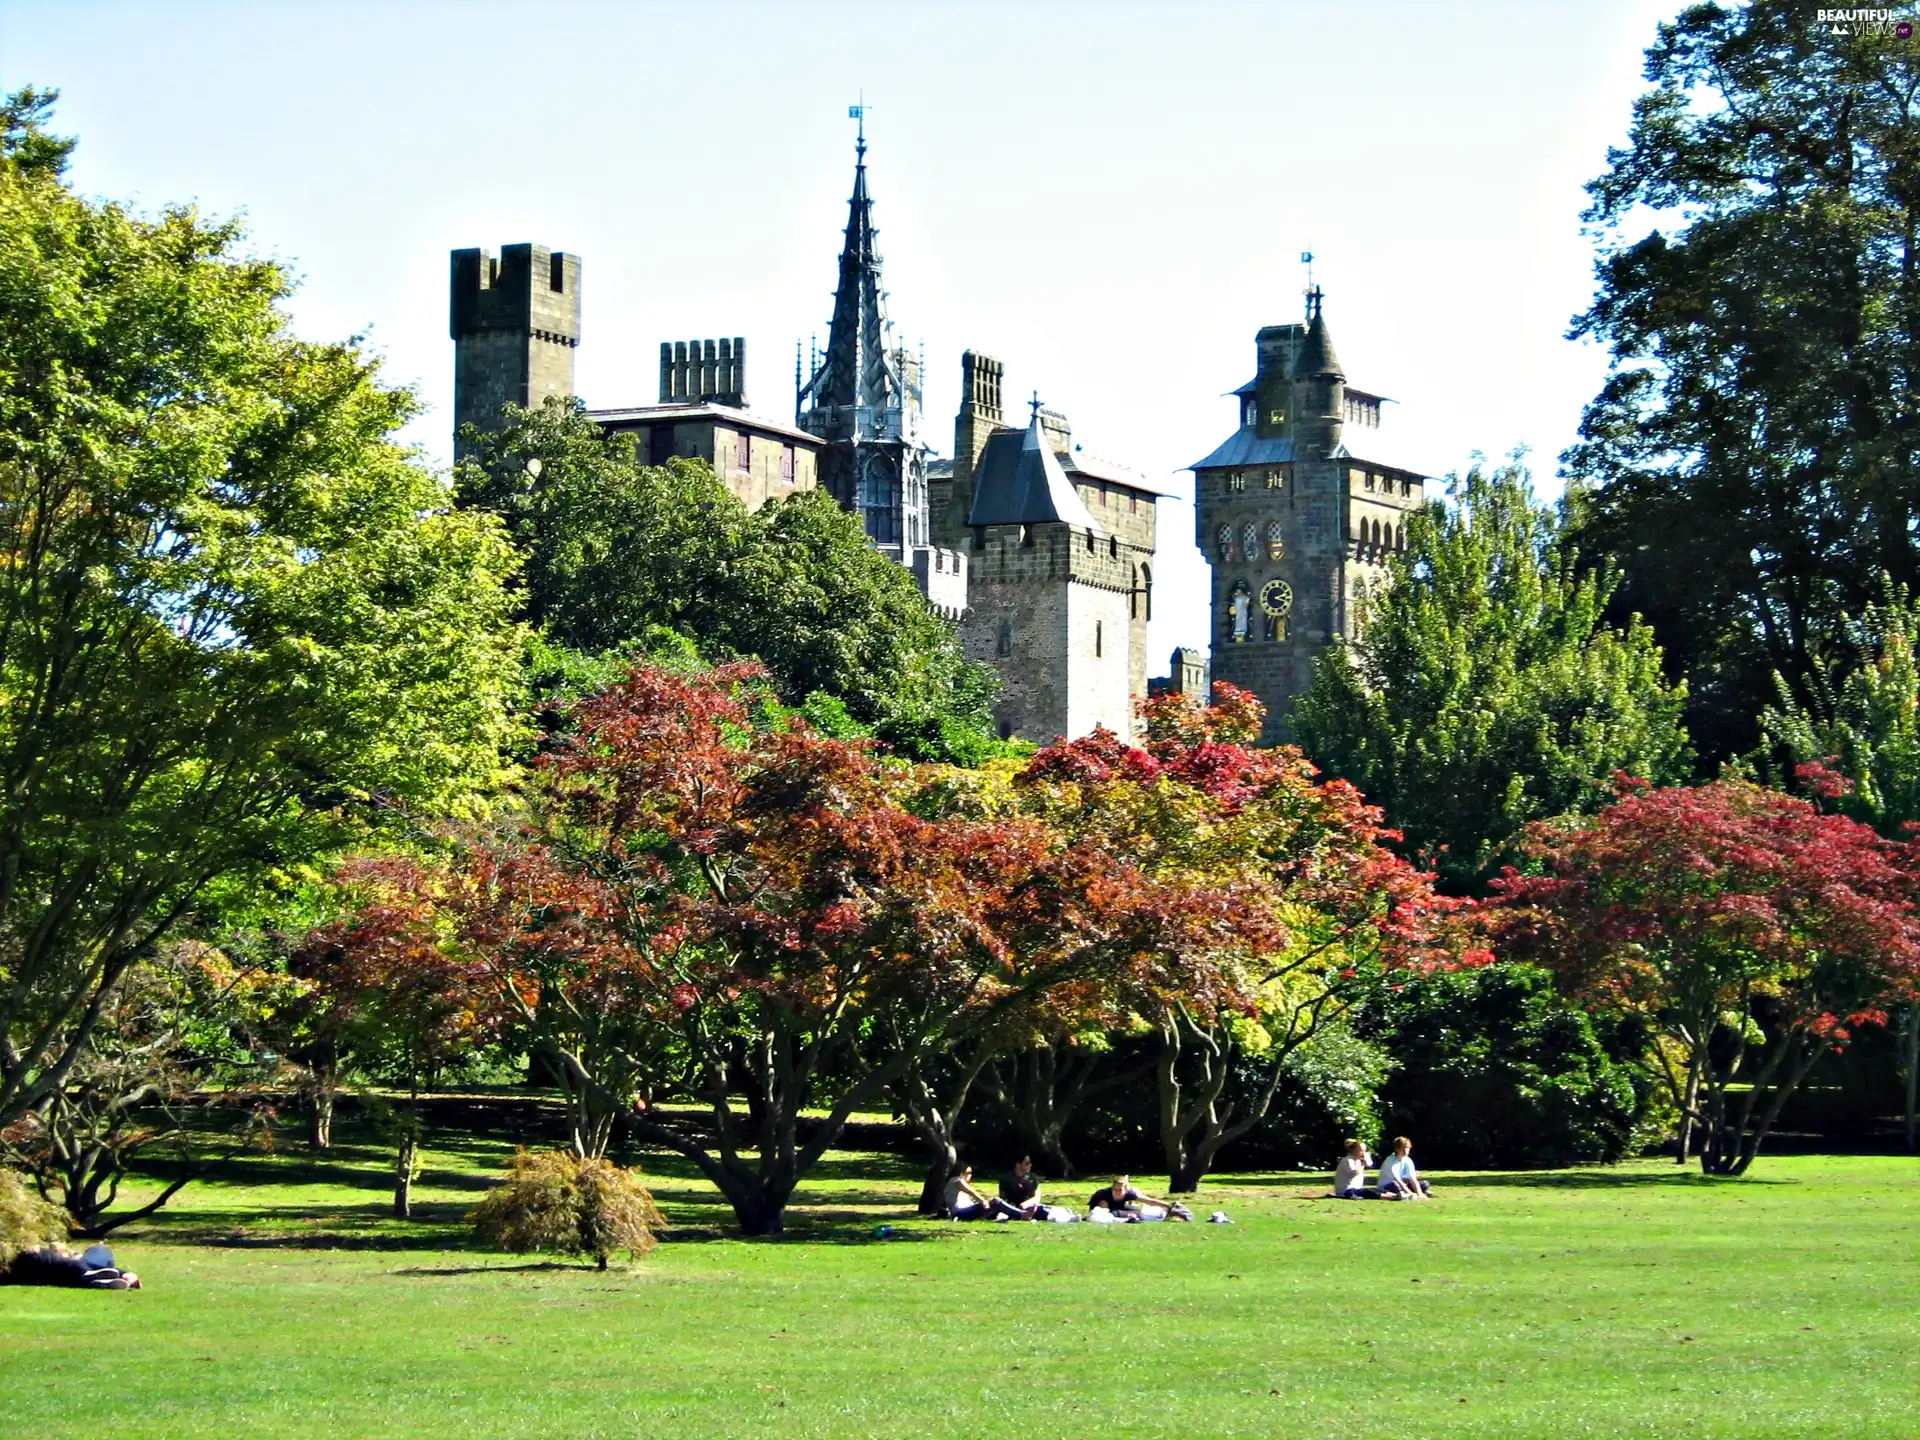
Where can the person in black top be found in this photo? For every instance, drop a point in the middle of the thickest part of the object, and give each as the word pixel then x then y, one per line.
pixel 1126 1203
pixel 1019 1189
pixel 57 1265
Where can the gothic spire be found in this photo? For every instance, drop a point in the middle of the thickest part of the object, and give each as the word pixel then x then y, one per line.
pixel 864 394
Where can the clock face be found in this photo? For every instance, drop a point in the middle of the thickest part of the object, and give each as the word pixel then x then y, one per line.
pixel 1276 597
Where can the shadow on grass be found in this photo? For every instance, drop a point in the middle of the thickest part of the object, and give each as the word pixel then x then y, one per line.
pixel 1600 1180
pixel 532 1267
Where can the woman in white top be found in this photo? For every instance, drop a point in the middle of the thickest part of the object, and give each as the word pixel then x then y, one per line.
pixel 966 1203
pixel 1398 1179
pixel 1350 1175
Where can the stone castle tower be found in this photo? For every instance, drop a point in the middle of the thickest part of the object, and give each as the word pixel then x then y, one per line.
pixel 515 322
pixel 1295 525
pixel 1060 564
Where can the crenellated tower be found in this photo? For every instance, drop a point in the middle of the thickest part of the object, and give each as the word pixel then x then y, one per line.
pixel 515 322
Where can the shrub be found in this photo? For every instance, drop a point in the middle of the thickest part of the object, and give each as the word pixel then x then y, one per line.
pixel 26 1221
pixel 1494 1070
pixel 556 1201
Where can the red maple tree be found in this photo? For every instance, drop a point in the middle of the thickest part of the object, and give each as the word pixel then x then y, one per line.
pixel 1755 932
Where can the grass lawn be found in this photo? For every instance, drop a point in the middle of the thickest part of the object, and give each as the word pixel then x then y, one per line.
pixel 1641 1300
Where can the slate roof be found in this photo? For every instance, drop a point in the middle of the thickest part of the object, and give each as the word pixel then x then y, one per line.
pixel 630 416
pixel 1316 355
pixel 1020 482
pixel 1245 447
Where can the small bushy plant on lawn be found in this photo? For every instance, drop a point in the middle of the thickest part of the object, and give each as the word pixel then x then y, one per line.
pixel 554 1200
pixel 26 1221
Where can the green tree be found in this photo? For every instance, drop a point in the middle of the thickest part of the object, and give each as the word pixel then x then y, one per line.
pixel 614 548
pixel 1486 688
pixel 239 625
pixel 1863 731
pixel 1755 448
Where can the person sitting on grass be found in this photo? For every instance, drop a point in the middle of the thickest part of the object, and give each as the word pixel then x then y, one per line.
pixel 1125 1204
pixel 1398 1179
pixel 57 1265
pixel 966 1203
pixel 1019 1189
pixel 1350 1175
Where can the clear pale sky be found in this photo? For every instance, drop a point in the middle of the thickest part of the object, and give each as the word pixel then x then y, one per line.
pixel 1110 197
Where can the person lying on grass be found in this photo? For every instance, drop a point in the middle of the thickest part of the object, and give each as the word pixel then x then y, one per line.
pixel 1126 1204
pixel 1350 1175
pixel 57 1265
pixel 966 1203
pixel 1398 1179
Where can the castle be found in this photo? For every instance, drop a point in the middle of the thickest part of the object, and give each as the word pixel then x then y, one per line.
pixel 1041 555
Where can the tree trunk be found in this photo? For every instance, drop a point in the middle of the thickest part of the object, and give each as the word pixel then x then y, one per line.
pixel 1910 1052
pixel 1186 1179
pixel 1689 1103
pixel 320 1118
pixel 933 1192
pixel 403 1173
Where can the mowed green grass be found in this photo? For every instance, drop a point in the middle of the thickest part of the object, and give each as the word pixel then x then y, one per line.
pixel 1640 1300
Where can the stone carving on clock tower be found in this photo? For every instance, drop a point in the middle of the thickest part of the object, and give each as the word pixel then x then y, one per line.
pixel 1296 526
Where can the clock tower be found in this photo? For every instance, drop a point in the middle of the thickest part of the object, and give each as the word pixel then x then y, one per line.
pixel 1296 526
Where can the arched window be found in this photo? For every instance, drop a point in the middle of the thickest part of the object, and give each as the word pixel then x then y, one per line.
pixel 1250 541
pixel 1226 544
pixel 1146 590
pixel 1003 643
pixel 1276 545
pixel 1113 547
pixel 1099 639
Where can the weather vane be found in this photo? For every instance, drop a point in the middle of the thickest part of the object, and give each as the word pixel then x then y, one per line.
pixel 1035 403
pixel 1313 291
pixel 858 112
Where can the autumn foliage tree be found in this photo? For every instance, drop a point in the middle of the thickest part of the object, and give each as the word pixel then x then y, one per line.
pixel 1263 891
pixel 1754 932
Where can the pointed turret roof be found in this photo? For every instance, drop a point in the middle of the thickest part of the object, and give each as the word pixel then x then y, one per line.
pixel 1316 351
pixel 1021 482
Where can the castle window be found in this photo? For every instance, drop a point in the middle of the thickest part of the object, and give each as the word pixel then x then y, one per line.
pixel 1026 536
pixel 1113 547
pixel 1226 544
pixel 1250 541
pixel 786 463
pixel 1003 643
pixel 557 273
pixel 743 453
pixel 1146 589
pixel 1369 480
pixel 1090 542
pixel 1276 544
pixel 659 444
pixel 1006 729
pixel 1236 483
pixel 1273 480
pixel 1099 639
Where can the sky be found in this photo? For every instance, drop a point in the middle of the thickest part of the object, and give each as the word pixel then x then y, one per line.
pixel 1111 197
